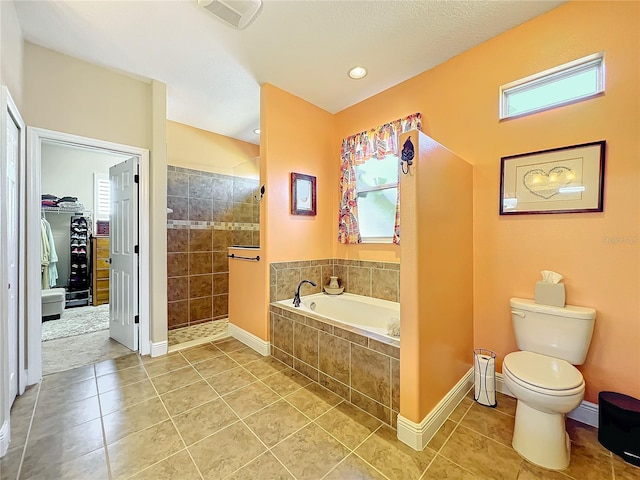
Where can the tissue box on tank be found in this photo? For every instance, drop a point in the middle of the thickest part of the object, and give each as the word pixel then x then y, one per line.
pixel 550 294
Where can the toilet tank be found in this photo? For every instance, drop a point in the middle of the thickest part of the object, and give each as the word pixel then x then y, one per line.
pixel 560 332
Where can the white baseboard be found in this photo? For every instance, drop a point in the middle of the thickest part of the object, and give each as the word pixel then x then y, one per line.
pixel 250 340
pixel 159 348
pixel 417 435
pixel 586 412
pixel 4 437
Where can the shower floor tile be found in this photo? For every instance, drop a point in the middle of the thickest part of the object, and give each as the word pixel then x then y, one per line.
pixel 203 331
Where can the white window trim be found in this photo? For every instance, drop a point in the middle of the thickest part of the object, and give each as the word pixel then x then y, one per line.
pixel 97 178
pixel 552 74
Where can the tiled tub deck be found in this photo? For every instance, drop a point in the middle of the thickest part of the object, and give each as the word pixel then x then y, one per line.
pixel 361 368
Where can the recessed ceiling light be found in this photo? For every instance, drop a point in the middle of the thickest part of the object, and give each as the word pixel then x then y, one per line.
pixel 357 73
pixel 257 131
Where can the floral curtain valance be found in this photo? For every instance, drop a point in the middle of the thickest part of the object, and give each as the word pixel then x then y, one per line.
pixel 357 149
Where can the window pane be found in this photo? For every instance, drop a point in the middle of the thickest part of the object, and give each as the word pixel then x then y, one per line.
pixel 377 213
pixel 563 90
pixel 376 172
pixel 557 86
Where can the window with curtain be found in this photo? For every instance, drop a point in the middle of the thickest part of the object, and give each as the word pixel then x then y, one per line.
pixel 369 188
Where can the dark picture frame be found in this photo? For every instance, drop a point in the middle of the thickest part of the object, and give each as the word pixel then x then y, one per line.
pixel 303 194
pixel 559 180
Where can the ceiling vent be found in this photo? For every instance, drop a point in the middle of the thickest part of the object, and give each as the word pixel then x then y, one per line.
pixel 237 13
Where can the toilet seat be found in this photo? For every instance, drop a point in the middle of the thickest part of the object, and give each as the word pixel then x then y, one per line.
pixel 543 374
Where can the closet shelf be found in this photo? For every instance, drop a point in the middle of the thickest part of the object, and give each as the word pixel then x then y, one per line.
pixel 78 211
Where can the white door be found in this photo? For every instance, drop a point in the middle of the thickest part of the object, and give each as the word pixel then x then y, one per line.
pixel 123 233
pixel 13 153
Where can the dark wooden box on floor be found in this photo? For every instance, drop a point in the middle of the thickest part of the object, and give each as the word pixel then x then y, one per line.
pixel 619 425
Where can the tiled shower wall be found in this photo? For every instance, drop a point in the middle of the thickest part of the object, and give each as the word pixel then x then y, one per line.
pixel 370 279
pixel 211 212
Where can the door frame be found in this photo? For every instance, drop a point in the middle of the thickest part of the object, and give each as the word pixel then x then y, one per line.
pixel 35 137
pixel 9 108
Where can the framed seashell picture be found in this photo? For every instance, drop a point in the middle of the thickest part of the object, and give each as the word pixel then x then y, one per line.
pixel 303 194
pixel 559 180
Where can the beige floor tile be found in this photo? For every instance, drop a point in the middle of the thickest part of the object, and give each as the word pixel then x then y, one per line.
pixel 506 404
pixel 61 447
pixel 214 366
pixel 126 397
pixel 10 463
pixel 250 399
pixel 121 378
pixel 19 429
pixel 92 465
pixel 265 466
pixel 231 380
pixel 276 422
pixel 188 397
pixel 287 381
pixel 60 396
pixel 348 424
pixel 313 400
pixel 265 366
pixel 441 469
pixel 119 424
pixel 148 359
pixel 624 470
pixel 529 471
pixel 49 420
pixel 165 365
pixel 110 366
pixel 310 453
pixel 240 447
pixel 354 468
pixel 244 355
pixel 585 436
pixel 461 409
pixel 68 376
pixel 393 458
pixel 201 353
pixel 176 467
pixel 487 421
pixel 480 455
pixel 588 464
pixel 24 404
pixel 202 421
pixel 136 452
pixel 442 435
pixel 176 379
pixel 230 345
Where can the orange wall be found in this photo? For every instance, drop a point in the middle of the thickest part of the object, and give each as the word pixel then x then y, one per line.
pixel 191 147
pixel 437 308
pixel 459 104
pixel 295 137
pixel 244 309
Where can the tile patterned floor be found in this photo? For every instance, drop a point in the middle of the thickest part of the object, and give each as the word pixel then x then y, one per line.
pixel 195 332
pixel 221 411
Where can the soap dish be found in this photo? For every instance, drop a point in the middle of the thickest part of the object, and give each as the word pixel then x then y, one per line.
pixel 333 291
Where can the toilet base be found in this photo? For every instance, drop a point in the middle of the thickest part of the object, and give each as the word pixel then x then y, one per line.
pixel 541 437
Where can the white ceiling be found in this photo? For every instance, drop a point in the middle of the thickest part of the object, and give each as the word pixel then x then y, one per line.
pixel 214 72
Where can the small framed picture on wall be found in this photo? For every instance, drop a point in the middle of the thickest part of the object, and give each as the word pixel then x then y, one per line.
pixel 303 194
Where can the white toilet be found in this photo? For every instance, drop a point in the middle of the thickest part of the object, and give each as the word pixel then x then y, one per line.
pixel 543 379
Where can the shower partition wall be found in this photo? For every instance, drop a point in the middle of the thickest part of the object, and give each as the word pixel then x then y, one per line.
pixel 209 212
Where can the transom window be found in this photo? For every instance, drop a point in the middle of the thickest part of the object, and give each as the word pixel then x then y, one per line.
pixel 571 82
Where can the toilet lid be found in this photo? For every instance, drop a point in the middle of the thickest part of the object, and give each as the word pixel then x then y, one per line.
pixel 542 371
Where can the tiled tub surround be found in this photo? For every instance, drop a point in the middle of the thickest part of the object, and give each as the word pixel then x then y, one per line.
pixel 361 277
pixel 211 212
pixel 361 369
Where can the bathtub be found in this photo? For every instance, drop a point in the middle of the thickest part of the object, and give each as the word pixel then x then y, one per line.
pixel 364 314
